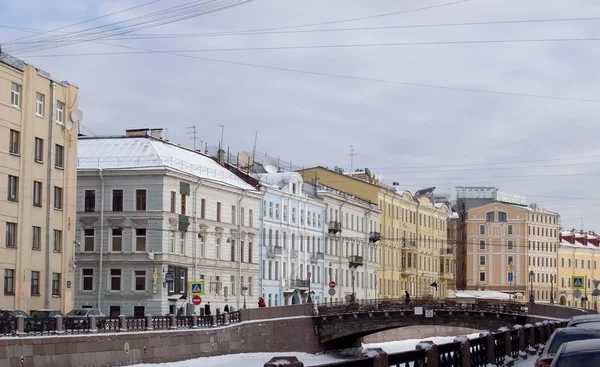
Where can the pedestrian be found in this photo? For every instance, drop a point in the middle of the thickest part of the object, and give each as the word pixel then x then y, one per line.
pixel 180 311
pixel 406 297
pixel 226 309
pixel 207 309
pixel 261 302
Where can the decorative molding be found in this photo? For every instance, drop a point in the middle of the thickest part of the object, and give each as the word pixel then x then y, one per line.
pixel 243 235
pixel 88 222
pixel 116 222
pixel 139 222
pixel 174 223
pixel 233 232
pixel 203 228
pixel 251 235
pixel 219 230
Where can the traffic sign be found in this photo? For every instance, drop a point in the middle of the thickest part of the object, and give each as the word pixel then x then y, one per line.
pixel 332 292
pixel 578 282
pixel 197 288
pixel 169 277
pixel 196 300
pixel 429 313
pixel 511 276
pixel 332 284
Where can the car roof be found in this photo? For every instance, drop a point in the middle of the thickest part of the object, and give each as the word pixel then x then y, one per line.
pixel 577 330
pixel 585 317
pixel 580 346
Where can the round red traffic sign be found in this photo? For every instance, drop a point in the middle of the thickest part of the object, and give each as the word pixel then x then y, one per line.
pixel 332 284
pixel 196 300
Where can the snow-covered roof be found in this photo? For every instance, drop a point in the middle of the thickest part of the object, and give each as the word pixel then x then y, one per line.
pixel 482 294
pixel 453 215
pixel 566 233
pixel 279 179
pixel 589 245
pixel 151 153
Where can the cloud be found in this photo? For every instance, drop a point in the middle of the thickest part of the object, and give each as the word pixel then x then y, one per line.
pixel 311 119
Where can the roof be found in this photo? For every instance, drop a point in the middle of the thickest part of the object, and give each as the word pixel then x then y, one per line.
pixel 150 153
pixel 279 179
pixel 580 345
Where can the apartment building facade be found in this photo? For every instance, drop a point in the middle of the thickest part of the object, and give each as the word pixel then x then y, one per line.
pixel 543 240
pixel 38 152
pixel 578 257
pixel 154 217
pixel 292 241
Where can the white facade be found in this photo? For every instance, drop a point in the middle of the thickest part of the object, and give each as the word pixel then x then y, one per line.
pixel 156 209
pixel 350 258
pixel 292 237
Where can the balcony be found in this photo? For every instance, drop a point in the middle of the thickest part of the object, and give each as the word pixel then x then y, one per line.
pixel 447 252
pixel 409 244
pixel 299 283
pixel 274 251
pixel 335 227
pixel 356 261
pixel 374 237
pixel 317 256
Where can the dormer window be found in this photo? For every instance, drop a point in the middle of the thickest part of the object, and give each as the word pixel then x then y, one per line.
pixel 502 217
pixel 490 217
pixel 294 188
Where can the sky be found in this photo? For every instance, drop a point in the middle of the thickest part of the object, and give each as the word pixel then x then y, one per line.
pixel 520 116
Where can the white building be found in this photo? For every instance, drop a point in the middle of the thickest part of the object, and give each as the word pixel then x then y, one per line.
pixel 153 216
pixel 293 239
pixel 350 258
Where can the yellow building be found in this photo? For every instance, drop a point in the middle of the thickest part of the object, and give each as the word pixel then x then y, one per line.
pixel 38 176
pixel 411 234
pixel 578 256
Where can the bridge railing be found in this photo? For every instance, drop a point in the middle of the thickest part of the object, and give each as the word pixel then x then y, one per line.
pixel 496 348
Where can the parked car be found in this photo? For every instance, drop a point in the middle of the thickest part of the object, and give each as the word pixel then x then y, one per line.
pixel 77 318
pixel 579 353
pixel 576 320
pixel 42 320
pixel 560 336
pixel 7 320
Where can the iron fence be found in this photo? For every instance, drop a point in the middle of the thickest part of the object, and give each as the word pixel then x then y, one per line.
pixel 161 323
pixel 450 355
pixel 136 323
pixel 408 359
pixel 184 322
pixel 8 327
pixel 478 351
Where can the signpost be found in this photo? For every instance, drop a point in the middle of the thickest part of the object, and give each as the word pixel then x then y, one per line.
pixel 196 300
pixel 196 288
pixel 511 279
pixel 332 292
pixel 169 277
pixel 578 282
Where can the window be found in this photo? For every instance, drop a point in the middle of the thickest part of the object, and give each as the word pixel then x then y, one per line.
pixel 172 242
pixel 242 216
pixel 35 283
pixel 490 217
pixel 242 251
pixel 89 201
pixel 13 188
pixel 285 213
pixel 233 214
pixel 37 193
pixel 140 280
pixel 58 198
pixel 38 152
pixel 502 217
pixel 56 284
pixel 60 111
pixel 59 158
pixel 218 248
pixel 250 252
pixel 510 245
pixel 183 204
pixel 117 200
pixel 140 239
pixel 202 208
pixel 218 211
pixel 182 243
pixel 11 235
pixel 173 200
pixel 232 280
pixel 232 250
pixel 9 282
pixel 482 245
pixel 39 104
pixel 36 237
pixel 294 188
pixel 270 210
pixel 15 95
pixel 482 277
pixel 13 144
pixel 88 240
pixel 117 240
pixel 115 279
pixel 250 218
pixel 482 229
pixel 58 240
pixel 140 199
pixel 293 215
pixel 481 260
pixel 87 276
pixel 276 211
pixel 510 229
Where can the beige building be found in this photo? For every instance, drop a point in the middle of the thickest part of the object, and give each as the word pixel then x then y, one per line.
pixel 501 238
pixel 38 159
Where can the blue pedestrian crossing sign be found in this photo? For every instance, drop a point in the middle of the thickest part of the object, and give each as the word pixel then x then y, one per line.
pixel 197 288
pixel 511 277
pixel 578 282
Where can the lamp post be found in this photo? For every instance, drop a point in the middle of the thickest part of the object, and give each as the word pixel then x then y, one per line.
pixel 551 289
pixel 330 279
pixel 309 300
pixel 244 290
pixel 531 276
pixel 353 295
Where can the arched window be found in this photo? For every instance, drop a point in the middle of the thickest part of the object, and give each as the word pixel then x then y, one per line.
pixel 502 217
pixel 490 217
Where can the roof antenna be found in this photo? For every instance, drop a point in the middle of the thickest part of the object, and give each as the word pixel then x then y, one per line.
pixel 352 154
pixel 193 133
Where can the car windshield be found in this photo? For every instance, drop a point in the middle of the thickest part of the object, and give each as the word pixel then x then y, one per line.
pixel 559 339
pixel 40 314
pixel 77 313
pixel 579 359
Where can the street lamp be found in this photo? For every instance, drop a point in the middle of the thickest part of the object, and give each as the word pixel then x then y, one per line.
pixel 531 276
pixel 331 280
pixel 244 290
pixel 353 295
pixel 309 300
pixel 551 289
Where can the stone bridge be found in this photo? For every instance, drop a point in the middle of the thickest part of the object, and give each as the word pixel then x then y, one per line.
pixel 343 325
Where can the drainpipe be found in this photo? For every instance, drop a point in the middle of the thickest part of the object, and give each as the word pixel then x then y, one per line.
pixel 195 231
pixel 382 236
pixel 239 246
pixel 48 292
pixel 342 246
pixel 100 276
pixel 367 213
pixel 261 241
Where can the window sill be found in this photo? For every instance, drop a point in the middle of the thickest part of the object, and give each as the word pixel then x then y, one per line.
pixel 36 249
pixel 15 107
pixel 55 296
pixel 38 115
pixel 58 209
pixel 12 247
pixel 59 123
pixel 62 168
pixel 9 294
pixel 35 295
pixel 116 252
pixel 14 154
pixel 57 252
pixel 37 205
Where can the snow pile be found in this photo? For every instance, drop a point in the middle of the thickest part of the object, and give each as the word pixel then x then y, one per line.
pixel 461 338
pixel 424 345
pixel 482 294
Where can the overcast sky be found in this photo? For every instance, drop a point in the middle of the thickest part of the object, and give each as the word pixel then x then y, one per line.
pixel 418 136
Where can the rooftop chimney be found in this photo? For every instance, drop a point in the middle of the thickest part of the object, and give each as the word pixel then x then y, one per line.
pixel 221 156
pixel 155 133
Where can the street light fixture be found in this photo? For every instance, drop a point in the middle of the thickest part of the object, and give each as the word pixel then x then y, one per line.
pixel 531 276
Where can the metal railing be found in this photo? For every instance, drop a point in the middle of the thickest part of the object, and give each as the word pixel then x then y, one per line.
pixel 299 283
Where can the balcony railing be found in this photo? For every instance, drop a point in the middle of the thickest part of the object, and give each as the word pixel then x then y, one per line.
pixel 374 237
pixel 299 283
pixel 317 256
pixel 447 252
pixel 356 261
pixel 274 251
pixel 335 227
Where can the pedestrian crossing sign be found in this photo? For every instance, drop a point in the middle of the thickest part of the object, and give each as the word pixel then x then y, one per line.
pixel 197 288
pixel 578 282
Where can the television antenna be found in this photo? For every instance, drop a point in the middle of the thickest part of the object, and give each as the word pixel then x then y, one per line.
pixel 352 154
pixel 194 136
